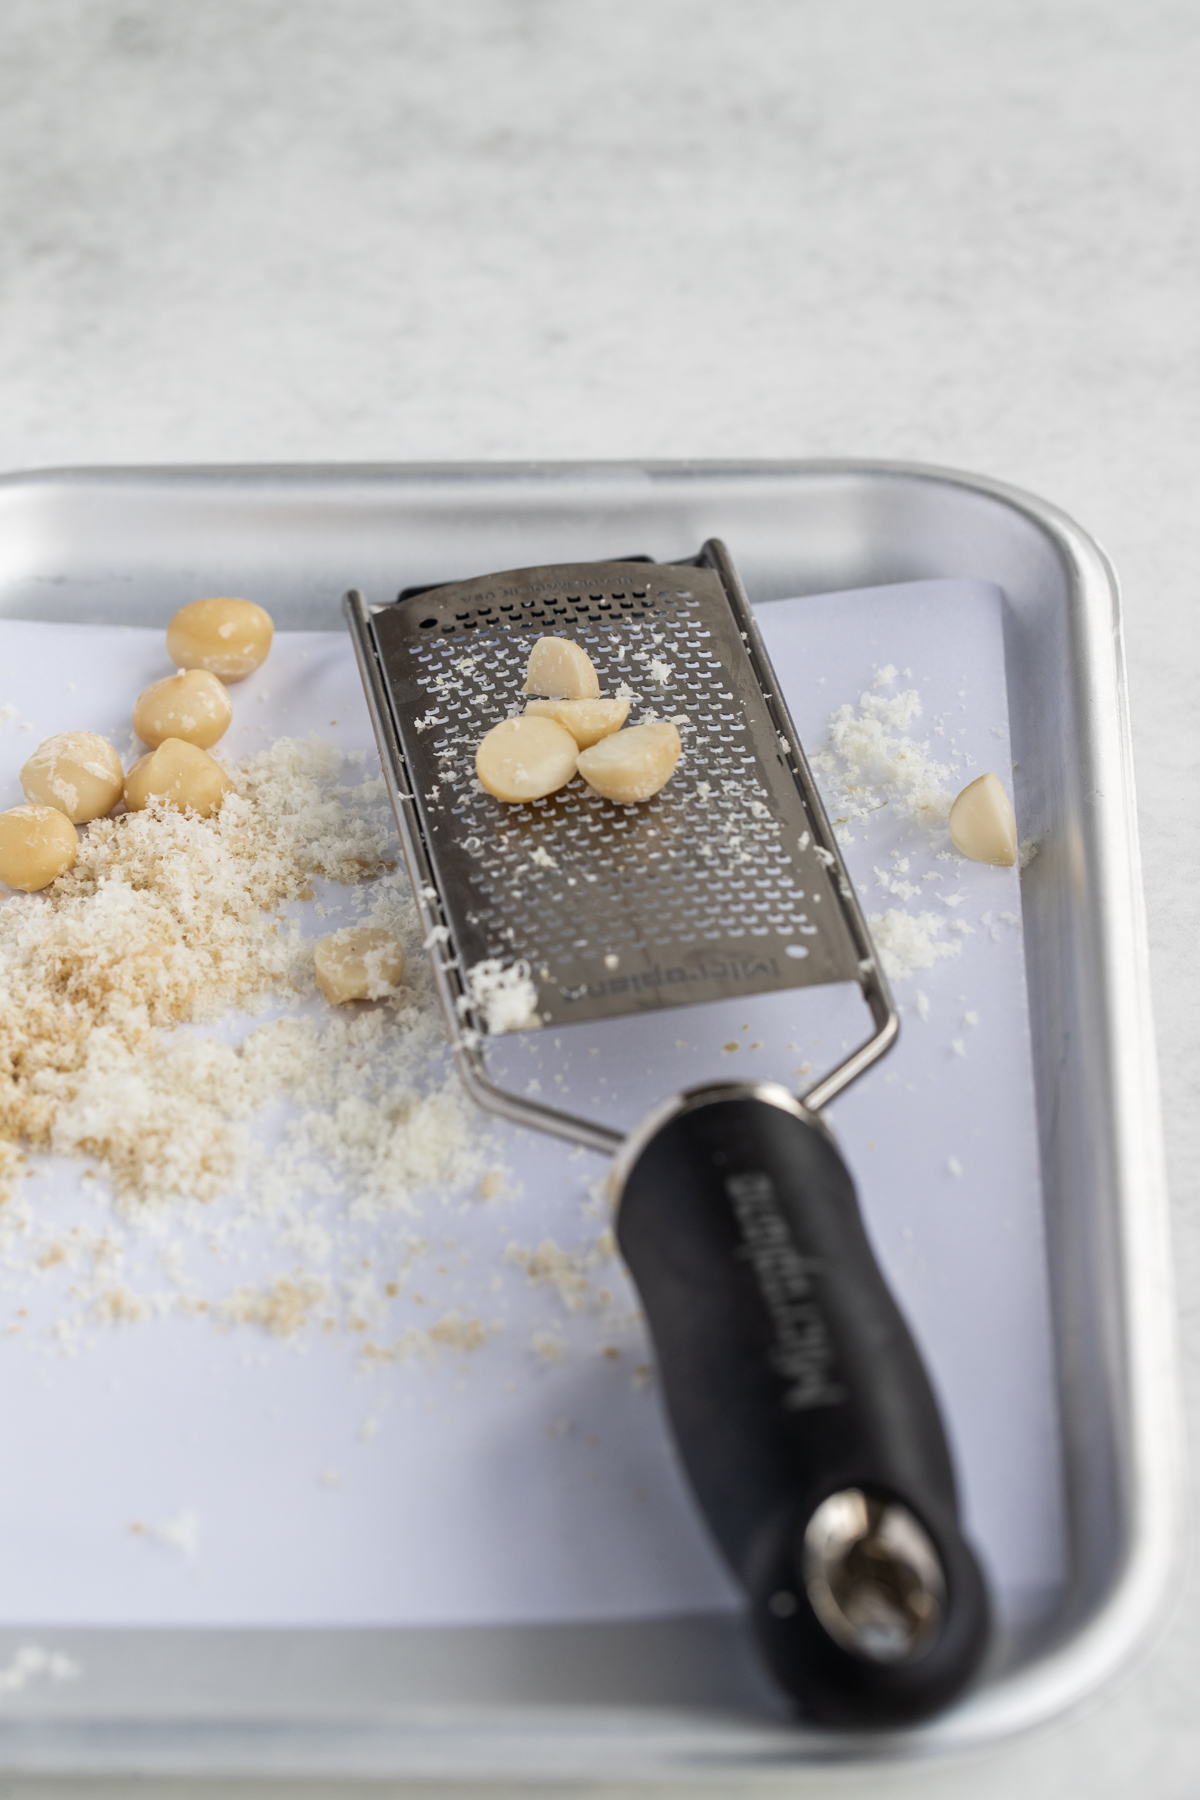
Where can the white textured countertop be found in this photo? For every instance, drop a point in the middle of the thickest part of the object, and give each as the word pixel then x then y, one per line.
pixel 267 231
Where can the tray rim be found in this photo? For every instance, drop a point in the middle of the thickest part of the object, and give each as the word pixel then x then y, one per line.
pixel 1122 1624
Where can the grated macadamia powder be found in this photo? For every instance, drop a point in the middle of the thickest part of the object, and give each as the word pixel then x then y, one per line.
pixel 277 1177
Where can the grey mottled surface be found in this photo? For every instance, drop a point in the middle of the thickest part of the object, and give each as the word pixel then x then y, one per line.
pixel 397 229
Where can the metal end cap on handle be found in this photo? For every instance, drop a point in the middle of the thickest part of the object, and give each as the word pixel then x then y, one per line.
pixel 873 1577
pixel 709 1093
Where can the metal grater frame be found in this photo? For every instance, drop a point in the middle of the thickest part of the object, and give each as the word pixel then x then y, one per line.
pixel 728 883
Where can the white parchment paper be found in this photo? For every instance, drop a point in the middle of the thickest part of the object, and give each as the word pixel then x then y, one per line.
pixel 172 1472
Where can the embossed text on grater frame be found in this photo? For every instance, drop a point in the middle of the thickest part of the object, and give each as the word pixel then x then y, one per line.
pixel 718 887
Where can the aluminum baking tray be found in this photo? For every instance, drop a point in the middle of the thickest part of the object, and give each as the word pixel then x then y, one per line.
pixel 673 1698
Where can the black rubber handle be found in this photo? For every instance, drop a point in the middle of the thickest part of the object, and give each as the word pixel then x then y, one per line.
pixel 790 1377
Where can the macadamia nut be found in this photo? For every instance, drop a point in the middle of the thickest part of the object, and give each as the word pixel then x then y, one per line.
pixel 525 759
pixel 191 705
pixel 77 773
pixel 632 765
pixel 561 669
pixel 229 638
pixel 180 774
pixel 982 823
pixel 358 963
pixel 587 720
pixel 37 843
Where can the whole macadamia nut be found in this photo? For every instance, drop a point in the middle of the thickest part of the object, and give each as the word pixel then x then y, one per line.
pixel 229 638
pixel 561 669
pixel 37 843
pixel 180 774
pixel 77 773
pixel 191 705
pixel 587 720
pixel 631 766
pixel 358 963
pixel 526 759
pixel 982 823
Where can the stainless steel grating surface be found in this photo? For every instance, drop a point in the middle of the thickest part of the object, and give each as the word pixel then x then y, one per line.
pixel 714 888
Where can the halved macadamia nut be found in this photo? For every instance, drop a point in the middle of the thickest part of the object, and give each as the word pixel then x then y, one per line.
pixel 229 638
pixel 358 963
pixel 982 823
pixel 632 765
pixel 526 759
pixel 192 705
pixel 587 720
pixel 562 670
pixel 77 773
pixel 182 775
pixel 37 843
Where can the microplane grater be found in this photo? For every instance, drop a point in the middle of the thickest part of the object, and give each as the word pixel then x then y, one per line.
pixel 713 889
pixel 798 1399
pixel 728 883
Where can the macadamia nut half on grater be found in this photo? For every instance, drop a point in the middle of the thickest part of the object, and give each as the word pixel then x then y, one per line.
pixel 982 823
pixel 77 773
pixel 229 638
pixel 631 766
pixel 587 720
pixel 180 774
pixel 562 670
pixel 526 759
pixel 358 963
pixel 37 843
pixel 191 705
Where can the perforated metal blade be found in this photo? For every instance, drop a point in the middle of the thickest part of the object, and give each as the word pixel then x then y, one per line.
pixel 727 883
